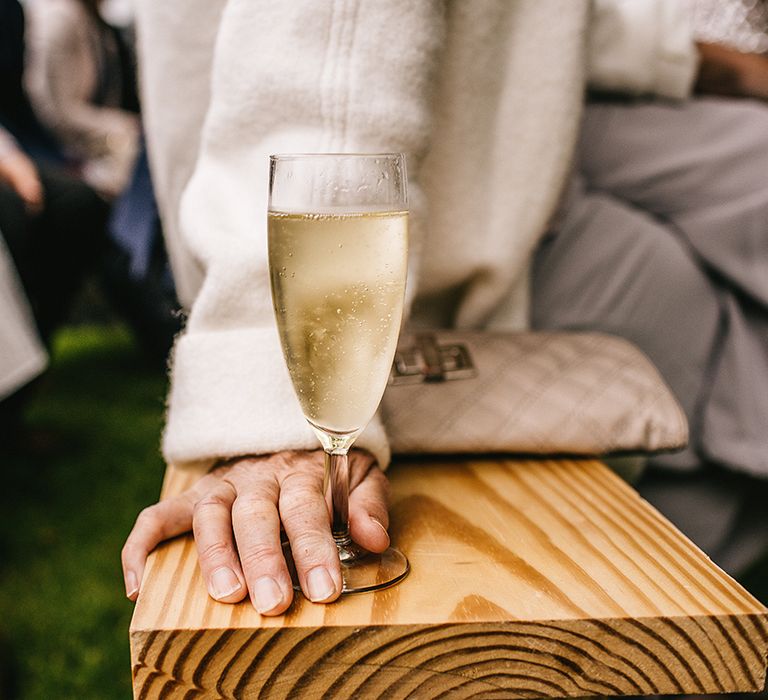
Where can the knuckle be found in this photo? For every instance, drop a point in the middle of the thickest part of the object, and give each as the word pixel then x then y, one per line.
pixel 299 500
pixel 292 502
pixel 215 551
pixel 294 511
pixel 220 470
pixel 380 484
pixel 361 459
pixel 250 470
pixel 299 481
pixel 148 517
pixel 377 477
pixel 257 556
pixel 242 505
pixel 249 504
pixel 307 464
pixel 210 500
pixel 313 545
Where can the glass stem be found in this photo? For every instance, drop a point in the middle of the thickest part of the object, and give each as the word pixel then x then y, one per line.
pixel 337 473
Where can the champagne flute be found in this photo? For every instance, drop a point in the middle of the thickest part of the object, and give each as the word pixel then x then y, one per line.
pixel 338 245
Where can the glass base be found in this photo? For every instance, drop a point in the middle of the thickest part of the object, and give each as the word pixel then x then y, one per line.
pixel 372 572
pixel 362 571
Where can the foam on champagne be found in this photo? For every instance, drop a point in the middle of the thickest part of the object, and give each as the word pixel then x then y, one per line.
pixel 338 283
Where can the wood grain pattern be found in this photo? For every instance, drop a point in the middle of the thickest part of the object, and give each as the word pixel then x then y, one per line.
pixel 529 579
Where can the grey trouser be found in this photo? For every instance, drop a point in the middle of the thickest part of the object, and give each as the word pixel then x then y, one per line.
pixel 663 239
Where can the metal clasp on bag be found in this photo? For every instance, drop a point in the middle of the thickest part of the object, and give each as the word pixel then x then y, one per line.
pixel 427 361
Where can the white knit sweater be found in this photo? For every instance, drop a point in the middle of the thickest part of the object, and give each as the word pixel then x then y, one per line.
pixel 484 97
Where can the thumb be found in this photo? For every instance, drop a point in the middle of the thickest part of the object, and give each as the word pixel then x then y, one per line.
pixel 368 515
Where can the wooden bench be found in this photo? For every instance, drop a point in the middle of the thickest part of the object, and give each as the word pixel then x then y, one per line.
pixel 529 579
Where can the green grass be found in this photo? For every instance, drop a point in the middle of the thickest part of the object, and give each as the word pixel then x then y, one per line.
pixel 63 616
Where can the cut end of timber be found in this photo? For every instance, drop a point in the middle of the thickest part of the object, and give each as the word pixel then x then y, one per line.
pixel 529 578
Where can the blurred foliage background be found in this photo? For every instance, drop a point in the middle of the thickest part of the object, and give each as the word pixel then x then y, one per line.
pixel 67 501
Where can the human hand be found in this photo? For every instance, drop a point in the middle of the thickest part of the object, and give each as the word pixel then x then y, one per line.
pixel 251 496
pixel 20 173
pixel 725 71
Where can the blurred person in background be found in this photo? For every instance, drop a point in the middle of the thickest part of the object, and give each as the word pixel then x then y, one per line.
pixel 137 274
pixel 662 242
pixel 737 24
pixel 52 232
pixel 16 113
pixel 81 80
pixel 22 354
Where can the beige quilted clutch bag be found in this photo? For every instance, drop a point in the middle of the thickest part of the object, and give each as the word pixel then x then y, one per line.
pixel 541 393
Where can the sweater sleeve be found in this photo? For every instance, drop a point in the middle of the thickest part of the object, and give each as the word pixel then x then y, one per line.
pixel 304 76
pixel 642 47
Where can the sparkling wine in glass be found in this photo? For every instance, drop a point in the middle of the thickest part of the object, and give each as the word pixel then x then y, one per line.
pixel 338 245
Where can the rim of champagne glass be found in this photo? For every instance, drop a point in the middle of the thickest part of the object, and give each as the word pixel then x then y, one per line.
pixel 293 156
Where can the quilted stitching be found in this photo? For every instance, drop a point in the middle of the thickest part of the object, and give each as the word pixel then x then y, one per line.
pixel 541 393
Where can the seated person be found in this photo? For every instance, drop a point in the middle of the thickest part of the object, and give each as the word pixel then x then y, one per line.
pixel 486 100
pixel 22 354
pixel 81 82
pixel 52 227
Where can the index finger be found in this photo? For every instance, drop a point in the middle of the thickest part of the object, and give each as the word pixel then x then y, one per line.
pixel 161 521
pixel 256 524
pixel 155 523
pixel 304 513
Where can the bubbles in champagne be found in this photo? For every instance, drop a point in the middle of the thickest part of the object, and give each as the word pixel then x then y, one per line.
pixel 338 314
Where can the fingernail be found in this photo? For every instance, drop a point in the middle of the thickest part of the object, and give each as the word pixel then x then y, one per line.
pixel 131 584
pixel 224 582
pixel 383 529
pixel 267 594
pixel 320 584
